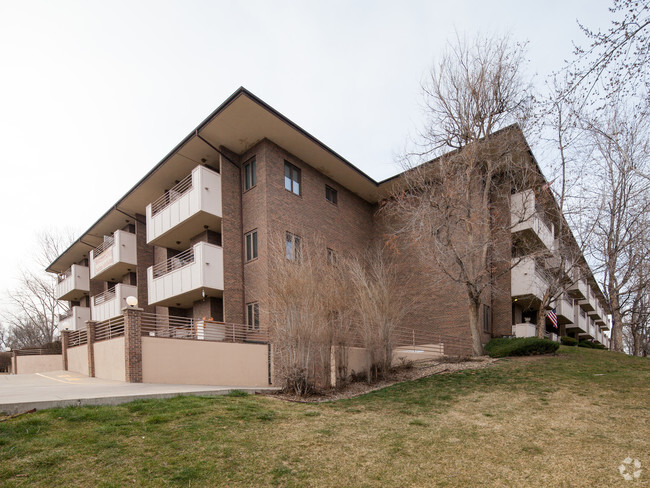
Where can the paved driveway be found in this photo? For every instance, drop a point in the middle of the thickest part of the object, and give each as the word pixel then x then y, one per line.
pixel 22 392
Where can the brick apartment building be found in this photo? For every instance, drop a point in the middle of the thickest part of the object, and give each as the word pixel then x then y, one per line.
pixel 192 238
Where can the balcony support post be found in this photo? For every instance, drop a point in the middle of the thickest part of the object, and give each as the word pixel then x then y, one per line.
pixel 90 335
pixel 65 341
pixel 133 344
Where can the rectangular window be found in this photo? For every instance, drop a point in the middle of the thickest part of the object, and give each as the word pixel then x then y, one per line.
pixel 250 174
pixel 251 245
pixel 331 256
pixel 291 178
pixel 253 316
pixel 292 247
pixel 487 319
pixel 331 195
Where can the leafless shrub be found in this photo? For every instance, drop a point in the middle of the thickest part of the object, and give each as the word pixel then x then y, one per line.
pixel 381 305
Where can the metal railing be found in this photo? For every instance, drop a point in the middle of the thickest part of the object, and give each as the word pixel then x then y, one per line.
pixel 108 242
pixel 156 325
pixel 171 195
pixel 35 351
pixel 64 276
pixel 108 329
pixel 77 338
pixel 104 297
pixel 173 263
pixel 414 342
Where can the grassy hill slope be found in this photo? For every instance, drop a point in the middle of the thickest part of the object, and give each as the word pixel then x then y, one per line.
pixel 565 420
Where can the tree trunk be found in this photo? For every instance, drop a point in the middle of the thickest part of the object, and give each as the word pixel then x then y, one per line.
pixel 541 322
pixel 617 321
pixel 477 345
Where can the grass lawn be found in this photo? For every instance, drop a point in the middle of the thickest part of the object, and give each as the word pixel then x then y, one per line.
pixel 566 420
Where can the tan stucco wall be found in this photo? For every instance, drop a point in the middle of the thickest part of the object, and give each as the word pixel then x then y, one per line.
pixel 109 359
pixel 175 361
pixel 39 364
pixel 357 360
pixel 78 359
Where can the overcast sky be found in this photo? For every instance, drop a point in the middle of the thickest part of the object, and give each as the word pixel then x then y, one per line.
pixel 93 94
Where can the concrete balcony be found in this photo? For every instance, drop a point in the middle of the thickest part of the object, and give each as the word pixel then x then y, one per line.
pixel 75 319
pixel 591 330
pixel 604 323
pixel 114 257
pixel 185 210
pixel 110 303
pixel 565 311
pixel 578 290
pixel 588 304
pixel 526 284
pixel 527 221
pixel 73 284
pixel 187 277
pixel 580 323
pixel 597 312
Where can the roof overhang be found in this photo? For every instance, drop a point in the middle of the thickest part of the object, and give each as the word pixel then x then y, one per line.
pixel 239 123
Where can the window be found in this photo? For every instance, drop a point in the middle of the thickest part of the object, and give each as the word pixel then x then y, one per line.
pixel 251 245
pixel 292 247
pixel 253 316
pixel 487 319
pixel 331 256
pixel 331 195
pixel 291 178
pixel 250 174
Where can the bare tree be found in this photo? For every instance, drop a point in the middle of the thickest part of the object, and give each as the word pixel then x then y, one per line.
pixel 31 314
pixel 558 120
pixel 621 148
pixel 381 304
pixel 451 208
pixel 308 312
pixel 615 63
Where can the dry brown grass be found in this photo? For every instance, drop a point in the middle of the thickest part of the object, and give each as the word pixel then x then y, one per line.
pixel 566 420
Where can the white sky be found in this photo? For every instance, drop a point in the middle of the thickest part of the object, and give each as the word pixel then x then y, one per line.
pixel 93 94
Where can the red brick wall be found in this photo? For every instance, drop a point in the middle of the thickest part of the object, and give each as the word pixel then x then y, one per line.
pixel 231 237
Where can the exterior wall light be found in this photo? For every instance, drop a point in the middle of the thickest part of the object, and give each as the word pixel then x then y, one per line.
pixel 132 301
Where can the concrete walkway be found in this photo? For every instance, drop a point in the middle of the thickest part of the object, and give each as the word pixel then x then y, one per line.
pixel 22 392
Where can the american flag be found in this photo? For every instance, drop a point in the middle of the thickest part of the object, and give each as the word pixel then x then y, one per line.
pixel 552 316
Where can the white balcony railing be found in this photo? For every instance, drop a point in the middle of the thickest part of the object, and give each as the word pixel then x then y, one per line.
pixel 186 209
pixel 114 257
pixel 527 219
pixel 75 319
pixel 73 284
pixel 187 277
pixel 526 280
pixel 110 303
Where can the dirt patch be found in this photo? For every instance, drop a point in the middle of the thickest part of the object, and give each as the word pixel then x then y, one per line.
pixel 417 371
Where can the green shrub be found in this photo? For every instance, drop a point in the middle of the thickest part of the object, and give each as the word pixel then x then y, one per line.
pixel 525 346
pixel 569 341
pixel 599 346
pixel 587 344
